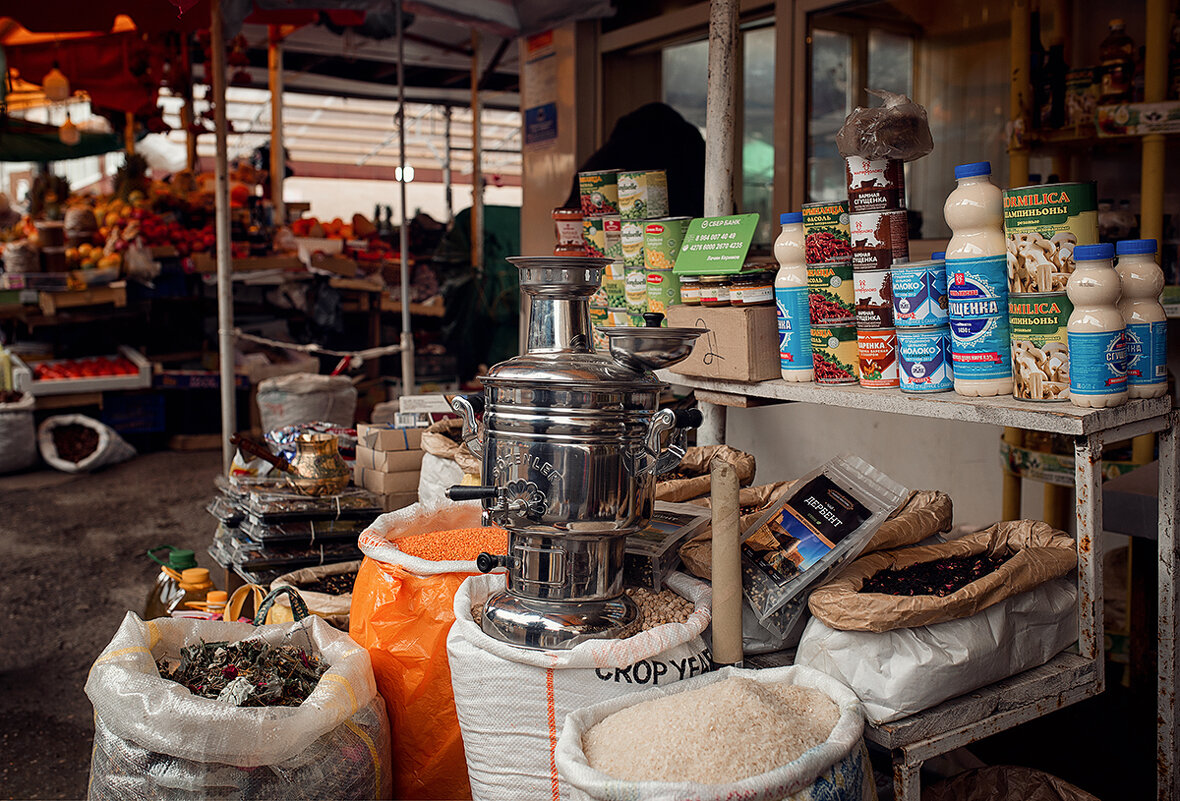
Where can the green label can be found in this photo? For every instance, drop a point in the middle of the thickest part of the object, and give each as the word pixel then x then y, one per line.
pixel 599 317
pixel 834 354
pixel 662 240
pixel 826 234
pixel 615 290
pixel 643 194
pixel 631 242
pixel 663 290
pixel 612 237
pixel 599 192
pixel 1042 225
pixel 594 237
pixel 1040 345
pixel 635 291
pixel 831 293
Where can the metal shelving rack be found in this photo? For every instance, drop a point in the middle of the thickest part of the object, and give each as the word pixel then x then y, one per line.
pixel 1068 677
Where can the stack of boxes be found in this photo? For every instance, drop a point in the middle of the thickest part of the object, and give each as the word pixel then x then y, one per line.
pixel 388 461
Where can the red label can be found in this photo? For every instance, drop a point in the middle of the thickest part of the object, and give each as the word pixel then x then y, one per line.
pixel 877 352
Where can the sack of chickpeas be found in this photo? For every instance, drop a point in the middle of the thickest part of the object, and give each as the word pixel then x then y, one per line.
pixel 512 701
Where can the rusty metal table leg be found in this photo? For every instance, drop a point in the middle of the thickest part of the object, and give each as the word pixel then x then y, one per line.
pixel 1088 486
pixel 907 785
pixel 1167 765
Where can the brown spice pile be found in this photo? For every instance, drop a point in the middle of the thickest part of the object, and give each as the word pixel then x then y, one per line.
pixel 74 442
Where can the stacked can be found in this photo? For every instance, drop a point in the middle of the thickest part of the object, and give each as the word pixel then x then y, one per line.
pixel 831 295
pixel 920 315
pixel 662 238
pixel 641 195
pixel 879 239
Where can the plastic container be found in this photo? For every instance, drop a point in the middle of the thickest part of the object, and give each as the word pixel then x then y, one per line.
pixel 1097 333
pixel 1147 326
pixel 195 586
pixel 791 301
pixel 974 210
pixel 166 591
pixel 1116 56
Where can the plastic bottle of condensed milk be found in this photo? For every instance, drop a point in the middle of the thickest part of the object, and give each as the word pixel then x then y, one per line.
pixel 790 299
pixel 1096 331
pixel 974 210
pixel 1142 282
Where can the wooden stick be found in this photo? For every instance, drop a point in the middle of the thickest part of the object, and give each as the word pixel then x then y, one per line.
pixel 727 568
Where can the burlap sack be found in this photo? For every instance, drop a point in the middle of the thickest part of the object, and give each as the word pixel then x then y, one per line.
pixel 442 439
pixel 1039 553
pixel 692 479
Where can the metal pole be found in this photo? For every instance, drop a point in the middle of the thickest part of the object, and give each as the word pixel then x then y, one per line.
pixel 225 293
pixel 407 338
pixel 187 117
pixel 277 163
pixel 720 108
pixel 446 165
pixel 476 159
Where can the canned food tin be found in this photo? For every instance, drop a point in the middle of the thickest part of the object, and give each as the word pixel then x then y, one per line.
pixel 599 318
pixel 873 292
pixel 834 354
pixel 879 239
pixel 1042 225
pixel 977 291
pixel 877 356
pixel 690 290
pixel 1040 345
pixel 615 270
pixel 874 184
pixel 663 290
pixel 612 237
pixel 615 290
pixel 631 242
pixel 643 194
pixel 830 293
pixel 635 291
pixel 618 317
pixel 919 294
pixel 924 359
pixel 594 237
pixel 568 223
pixel 570 250
pixel 662 240
pixel 825 230
pixel 599 192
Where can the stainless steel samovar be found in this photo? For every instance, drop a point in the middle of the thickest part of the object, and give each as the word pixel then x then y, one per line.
pixel 571 442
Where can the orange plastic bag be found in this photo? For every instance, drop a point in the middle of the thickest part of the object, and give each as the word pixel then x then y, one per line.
pixel 402 610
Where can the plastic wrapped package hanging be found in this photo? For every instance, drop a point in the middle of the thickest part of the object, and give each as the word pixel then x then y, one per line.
pixel 898 129
pixel 155 739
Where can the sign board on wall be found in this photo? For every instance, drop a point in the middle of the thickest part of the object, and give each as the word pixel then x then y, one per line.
pixel 539 84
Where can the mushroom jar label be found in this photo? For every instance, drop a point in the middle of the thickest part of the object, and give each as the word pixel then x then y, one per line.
pixel 1040 346
pixel 1042 225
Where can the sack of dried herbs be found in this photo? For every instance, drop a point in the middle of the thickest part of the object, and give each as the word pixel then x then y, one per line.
pixel 229 723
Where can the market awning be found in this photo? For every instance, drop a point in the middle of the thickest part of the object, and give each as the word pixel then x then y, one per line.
pixel 21 140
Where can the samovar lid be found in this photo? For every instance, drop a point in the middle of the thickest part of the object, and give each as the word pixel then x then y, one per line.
pixel 581 370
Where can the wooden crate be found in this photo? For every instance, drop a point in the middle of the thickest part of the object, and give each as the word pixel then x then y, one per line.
pixel 53 302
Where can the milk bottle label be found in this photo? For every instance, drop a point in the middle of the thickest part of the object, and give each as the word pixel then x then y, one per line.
pixel 1146 352
pixel 977 291
pixel 1098 362
pixel 794 328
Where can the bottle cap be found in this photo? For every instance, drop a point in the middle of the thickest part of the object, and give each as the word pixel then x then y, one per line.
pixel 1130 247
pixel 216 598
pixel 973 169
pixel 181 559
pixel 195 575
pixel 938 255
pixel 1098 252
pixel 791 217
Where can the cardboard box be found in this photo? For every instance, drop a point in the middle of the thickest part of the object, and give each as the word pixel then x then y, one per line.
pixel 385 483
pixel 389 461
pixel 388 438
pixel 742 343
pixel 398 500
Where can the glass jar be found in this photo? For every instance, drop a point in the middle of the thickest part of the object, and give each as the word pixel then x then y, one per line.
pixel 690 290
pixel 714 290
pixel 569 250
pixel 752 289
pixel 568 223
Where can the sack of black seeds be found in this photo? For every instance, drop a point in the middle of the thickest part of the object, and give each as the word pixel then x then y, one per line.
pixel 935 583
pixel 75 443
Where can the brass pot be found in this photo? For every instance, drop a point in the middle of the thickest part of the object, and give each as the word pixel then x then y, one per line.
pixel 318 468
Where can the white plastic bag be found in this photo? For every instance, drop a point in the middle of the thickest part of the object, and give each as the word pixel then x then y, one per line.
pixel 155 739
pixel 111 448
pixel 289 400
pixel 512 701
pixel 904 671
pixel 437 476
pixel 18 435
pixel 835 770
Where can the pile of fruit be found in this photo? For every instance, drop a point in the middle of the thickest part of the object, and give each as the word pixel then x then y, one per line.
pixel 84 368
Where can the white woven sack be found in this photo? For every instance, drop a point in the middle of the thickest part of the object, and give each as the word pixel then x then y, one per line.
pixel 289 400
pixel 376 542
pixel 835 770
pixel 437 476
pixel 111 448
pixel 512 701
pixel 904 671
pixel 18 435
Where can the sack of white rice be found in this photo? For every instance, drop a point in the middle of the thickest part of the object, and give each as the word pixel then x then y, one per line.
pixel 785 733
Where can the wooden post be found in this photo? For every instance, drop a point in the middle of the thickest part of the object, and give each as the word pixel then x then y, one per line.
pixel 407 338
pixel 720 108
pixel 277 162
pixel 225 293
pixel 129 133
pixel 476 159
pixel 187 116
pixel 448 186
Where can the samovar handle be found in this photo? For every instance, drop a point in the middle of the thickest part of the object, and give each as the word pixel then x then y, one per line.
pixel 468 408
pixel 658 459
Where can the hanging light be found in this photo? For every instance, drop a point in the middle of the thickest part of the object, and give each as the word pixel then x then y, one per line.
pixel 56 85
pixel 68 133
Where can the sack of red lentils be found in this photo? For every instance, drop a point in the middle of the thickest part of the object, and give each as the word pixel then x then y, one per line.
pixel 402 608
pixel 512 701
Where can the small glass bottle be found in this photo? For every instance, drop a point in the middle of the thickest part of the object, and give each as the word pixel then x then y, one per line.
pixel 791 301
pixel 1096 331
pixel 1142 281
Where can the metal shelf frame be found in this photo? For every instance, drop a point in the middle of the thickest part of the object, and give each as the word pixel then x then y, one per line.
pixel 1068 677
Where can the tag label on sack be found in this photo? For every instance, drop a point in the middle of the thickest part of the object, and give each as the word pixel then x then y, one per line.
pixel 425 404
pixel 650 671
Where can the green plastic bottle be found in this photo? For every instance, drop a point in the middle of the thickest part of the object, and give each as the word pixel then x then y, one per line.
pixel 166 593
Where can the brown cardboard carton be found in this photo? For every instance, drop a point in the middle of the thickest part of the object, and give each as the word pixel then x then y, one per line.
pixel 742 343
pixel 385 483
pixel 388 438
pixel 398 500
pixel 389 461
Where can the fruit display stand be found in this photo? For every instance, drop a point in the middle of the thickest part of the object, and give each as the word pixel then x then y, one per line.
pixel 52 302
pixel 1069 677
pixel 95 374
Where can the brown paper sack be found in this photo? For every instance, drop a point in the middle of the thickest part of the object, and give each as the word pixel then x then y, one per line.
pixel 695 465
pixel 1038 552
pixel 1005 783
pixel 443 439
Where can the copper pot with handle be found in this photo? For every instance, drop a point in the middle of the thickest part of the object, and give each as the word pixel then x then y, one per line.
pixel 317 469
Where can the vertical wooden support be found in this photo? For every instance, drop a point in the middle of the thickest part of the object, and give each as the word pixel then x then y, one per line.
pixel 1167 764
pixel 129 133
pixel 448 181
pixel 727 564
pixel 407 337
pixel 278 166
pixel 1010 500
pixel 225 292
pixel 720 103
pixel 187 116
pixel 476 157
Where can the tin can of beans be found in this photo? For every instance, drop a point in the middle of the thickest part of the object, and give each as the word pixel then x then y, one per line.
pixel 1042 225
pixel 977 291
pixel 594 237
pixel 1040 345
pixel 924 359
pixel 834 354
pixel 830 293
pixel 618 317
pixel 662 240
pixel 612 229
pixel 663 290
pixel 631 242
pixel 826 234
pixel 643 194
pixel 615 290
pixel 599 192
pixel 635 292
pixel 919 294
pixel 880 239
pixel 874 184
pixel 877 356
pixel 873 291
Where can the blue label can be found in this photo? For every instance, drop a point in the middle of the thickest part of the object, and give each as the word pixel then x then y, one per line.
pixel 1097 362
pixel 924 359
pixel 794 327
pixel 977 295
pixel 1147 353
pixel 919 294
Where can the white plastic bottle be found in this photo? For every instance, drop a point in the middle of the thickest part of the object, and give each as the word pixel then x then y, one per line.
pixel 1147 326
pixel 1097 334
pixel 790 299
pixel 974 210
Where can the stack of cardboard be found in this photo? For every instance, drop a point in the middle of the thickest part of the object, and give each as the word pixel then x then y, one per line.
pixel 388 461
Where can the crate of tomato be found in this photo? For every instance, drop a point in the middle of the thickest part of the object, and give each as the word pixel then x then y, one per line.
pixel 127 369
